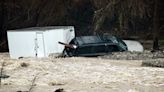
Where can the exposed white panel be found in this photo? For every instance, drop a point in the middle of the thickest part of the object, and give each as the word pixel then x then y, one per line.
pixel 134 45
pixel 21 44
pixel 40 45
pixel 60 36
pixel 51 40
pixel 69 34
pixel 52 37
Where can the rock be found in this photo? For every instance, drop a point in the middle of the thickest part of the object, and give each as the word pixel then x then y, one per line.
pixel 59 90
pixel 4 76
pixel 24 64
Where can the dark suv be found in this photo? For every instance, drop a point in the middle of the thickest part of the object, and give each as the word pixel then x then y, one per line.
pixel 93 46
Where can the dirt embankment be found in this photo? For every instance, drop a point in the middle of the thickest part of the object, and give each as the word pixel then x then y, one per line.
pixel 80 75
pixel 154 59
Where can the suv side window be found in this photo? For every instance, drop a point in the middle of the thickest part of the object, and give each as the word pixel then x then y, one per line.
pixel 92 49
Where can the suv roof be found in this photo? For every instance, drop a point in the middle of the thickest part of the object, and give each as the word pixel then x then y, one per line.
pixel 83 40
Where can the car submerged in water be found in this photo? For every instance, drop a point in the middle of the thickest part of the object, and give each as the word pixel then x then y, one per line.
pixel 93 46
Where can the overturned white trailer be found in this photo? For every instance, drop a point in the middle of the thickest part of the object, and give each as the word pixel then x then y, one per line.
pixel 38 41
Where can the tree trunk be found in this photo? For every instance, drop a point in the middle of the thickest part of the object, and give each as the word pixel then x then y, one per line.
pixel 2 14
pixel 3 25
pixel 4 17
pixel 38 12
pixel 156 25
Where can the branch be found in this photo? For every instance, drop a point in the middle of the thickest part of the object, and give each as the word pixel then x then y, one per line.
pixel 33 84
pixel 1 73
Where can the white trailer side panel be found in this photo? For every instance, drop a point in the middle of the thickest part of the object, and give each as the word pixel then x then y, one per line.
pixel 68 34
pixel 51 38
pixel 21 44
pixel 38 41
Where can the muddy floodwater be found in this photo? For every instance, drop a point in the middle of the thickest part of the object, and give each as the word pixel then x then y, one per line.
pixel 78 74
